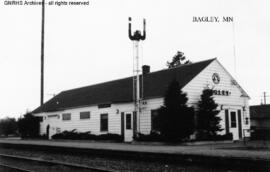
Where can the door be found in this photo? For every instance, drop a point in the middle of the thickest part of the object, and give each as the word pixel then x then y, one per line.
pixel 51 131
pixel 128 121
pixel 234 125
pixel 48 132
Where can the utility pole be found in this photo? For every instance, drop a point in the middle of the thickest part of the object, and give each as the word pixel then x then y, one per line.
pixel 264 97
pixel 234 49
pixel 42 54
pixel 136 37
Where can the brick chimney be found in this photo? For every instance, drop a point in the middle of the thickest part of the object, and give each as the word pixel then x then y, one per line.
pixel 145 69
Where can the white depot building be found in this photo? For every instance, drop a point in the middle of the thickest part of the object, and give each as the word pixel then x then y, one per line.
pixel 109 107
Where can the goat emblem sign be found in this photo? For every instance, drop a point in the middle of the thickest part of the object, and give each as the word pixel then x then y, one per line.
pixel 216 78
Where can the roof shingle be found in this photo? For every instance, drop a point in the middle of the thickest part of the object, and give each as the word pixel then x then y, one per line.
pixel 155 84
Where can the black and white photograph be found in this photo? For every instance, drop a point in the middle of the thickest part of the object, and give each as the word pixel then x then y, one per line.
pixel 133 85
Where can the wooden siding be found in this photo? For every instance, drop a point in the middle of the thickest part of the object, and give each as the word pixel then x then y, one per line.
pixel 145 117
pixel 194 90
pixel 235 101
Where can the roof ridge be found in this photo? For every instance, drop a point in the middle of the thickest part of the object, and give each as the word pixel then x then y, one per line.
pixel 120 90
pixel 177 67
pixel 114 80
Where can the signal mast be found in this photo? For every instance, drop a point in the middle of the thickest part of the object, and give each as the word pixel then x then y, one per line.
pixel 136 37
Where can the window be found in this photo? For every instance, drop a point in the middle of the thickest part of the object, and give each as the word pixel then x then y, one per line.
pixel 154 114
pixel 233 119
pixel 84 115
pixel 246 121
pixel 104 122
pixel 53 116
pixel 66 116
pixel 128 121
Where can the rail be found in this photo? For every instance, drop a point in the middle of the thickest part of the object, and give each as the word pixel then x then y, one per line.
pixel 47 163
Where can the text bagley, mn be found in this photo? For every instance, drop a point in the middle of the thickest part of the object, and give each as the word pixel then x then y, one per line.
pixel 212 19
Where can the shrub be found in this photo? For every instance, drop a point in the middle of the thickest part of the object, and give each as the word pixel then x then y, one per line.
pixel 208 137
pixel 74 135
pixel 110 136
pixel 156 137
pixel 29 126
pixel 8 126
pixel 153 136
pixel 175 120
pixel 208 121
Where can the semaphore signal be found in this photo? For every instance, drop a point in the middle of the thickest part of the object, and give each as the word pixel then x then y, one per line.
pixel 136 37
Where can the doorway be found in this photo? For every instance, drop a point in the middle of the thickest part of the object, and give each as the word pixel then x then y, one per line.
pixel 128 131
pixel 48 132
pixel 234 124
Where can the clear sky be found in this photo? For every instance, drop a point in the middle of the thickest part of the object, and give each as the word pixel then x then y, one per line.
pixel 85 45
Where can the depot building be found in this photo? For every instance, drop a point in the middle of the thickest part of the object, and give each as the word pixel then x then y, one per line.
pixel 109 107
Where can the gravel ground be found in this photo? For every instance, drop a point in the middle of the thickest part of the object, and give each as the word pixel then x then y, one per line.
pixel 112 164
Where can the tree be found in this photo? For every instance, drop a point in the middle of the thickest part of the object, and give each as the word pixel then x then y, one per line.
pixel 207 116
pixel 175 120
pixel 8 126
pixel 29 126
pixel 178 60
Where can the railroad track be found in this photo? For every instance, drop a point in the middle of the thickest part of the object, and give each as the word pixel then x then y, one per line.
pixel 8 167
pixel 44 163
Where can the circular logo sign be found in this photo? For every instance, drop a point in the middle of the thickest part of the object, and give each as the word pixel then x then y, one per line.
pixel 216 78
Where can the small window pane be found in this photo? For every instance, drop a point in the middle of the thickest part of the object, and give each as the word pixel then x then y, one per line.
pixel 53 116
pixel 66 116
pixel 104 122
pixel 128 121
pixel 246 121
pixel 233 120
pixel 85 115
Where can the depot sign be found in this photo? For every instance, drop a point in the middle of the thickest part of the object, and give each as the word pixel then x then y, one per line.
pixel 221 92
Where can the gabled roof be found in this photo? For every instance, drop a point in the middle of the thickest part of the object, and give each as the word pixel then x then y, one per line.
pixel 243 92
pixel 260 111
pixel 155 84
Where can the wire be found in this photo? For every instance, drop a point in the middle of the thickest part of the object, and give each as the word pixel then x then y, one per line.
pixel 234 49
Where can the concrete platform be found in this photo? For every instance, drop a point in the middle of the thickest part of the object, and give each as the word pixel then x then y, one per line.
pixel 223 153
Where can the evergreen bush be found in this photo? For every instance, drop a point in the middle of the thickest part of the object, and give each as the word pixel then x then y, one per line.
pixel 175 120
pixel 208 121
pixel 29 126
pixel 152 137
pixel 74 135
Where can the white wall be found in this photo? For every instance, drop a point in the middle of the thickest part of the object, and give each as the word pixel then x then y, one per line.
pixel 83 125
pixel 145 118
pixel 193 90
pixel 234 101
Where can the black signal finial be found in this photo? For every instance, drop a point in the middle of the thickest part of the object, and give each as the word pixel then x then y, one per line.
pixel 137 36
